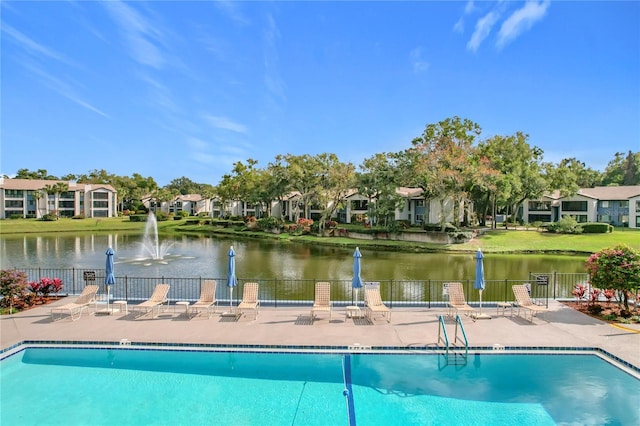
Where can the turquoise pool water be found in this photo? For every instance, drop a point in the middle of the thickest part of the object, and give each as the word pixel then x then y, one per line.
pixel 51 386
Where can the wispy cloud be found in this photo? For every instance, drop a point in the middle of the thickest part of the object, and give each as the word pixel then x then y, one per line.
pixel 417 62
pixel 232 10
pixel 62 88
pixel 521 20
pixel 139 33
pixel 272 79
pixel 482 30
pixel 459 25
pixel 225 123
pixel 32 47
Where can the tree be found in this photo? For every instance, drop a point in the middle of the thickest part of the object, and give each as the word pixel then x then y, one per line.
pixel 40 174
pixel 378 182
pixel 336 179
pixel 183 185
pixel 304 174
pixel 623 170
pixel 520 170
pixel 438 162
pixel 617 268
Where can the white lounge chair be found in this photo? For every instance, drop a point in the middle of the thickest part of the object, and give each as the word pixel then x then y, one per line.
pixel 250 299
pixel 374 305
pixel 523 301
pixel 207 300
pixel 322 301
pixel 155 302
pixel 74 309
pixel 457 301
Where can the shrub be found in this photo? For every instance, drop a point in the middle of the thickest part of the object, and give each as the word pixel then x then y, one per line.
pixel 138 218
pixel 13 284
pixel 49 217
pixel 460 236
pixel 183 213
pixel 596 228
pixel 78 216
pixel 436 227
pixel 268 223
pixel 15 216
pixel 162 216
pixel 617 268
pixel 566 225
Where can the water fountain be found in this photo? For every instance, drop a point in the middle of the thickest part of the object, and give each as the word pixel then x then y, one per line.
pixel 151 242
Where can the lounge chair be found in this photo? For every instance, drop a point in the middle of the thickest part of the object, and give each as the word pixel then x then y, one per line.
pixel 250 299
pixel 523 301
pixel 457 301
pixel 322 301
pixel 373 304
pixel 207 300
pixel 155 302
pixel 74 309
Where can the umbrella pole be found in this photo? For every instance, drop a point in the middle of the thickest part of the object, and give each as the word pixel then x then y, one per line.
pixel 481 315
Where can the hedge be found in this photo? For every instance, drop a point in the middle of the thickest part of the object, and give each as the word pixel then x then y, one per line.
pixel 596 228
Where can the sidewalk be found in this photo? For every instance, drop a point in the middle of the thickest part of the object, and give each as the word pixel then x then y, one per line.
pixel 561 326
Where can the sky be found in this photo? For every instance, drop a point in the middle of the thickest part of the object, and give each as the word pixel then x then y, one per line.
pixel 187 88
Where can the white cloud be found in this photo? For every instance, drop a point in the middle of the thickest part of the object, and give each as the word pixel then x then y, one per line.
pixel 138 33
pixel 418 63
pixel 521 20
pixel 32 46
pixel 225 123
pixel 482 30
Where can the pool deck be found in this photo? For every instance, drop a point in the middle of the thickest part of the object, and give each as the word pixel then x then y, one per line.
pixel 561 326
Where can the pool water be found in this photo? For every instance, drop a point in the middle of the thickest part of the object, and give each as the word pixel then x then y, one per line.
pixel 55 386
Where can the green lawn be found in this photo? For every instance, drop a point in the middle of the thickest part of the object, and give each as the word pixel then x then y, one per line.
pixel 495 241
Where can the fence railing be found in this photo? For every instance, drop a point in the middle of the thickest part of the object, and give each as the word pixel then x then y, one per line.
pixel 294 292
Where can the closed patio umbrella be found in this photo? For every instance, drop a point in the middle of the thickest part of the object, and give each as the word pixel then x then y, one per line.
pixel 232 281
pixel 356 282
pixel 109 278
pixel 478 284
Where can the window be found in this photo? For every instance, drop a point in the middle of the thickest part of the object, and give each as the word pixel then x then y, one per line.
pixel 419 218
pixel 574 206
pixel 67 195
pixel 13 193
pixel 624 204
pixel 419 203
pixel 359 204
pixel 66 204
pixel 13 204
pixel 540 206
pixel 604 218
pixel 539 218
pixel 623 219
pixel 604 204
pixel 100 196
pixel 638 206
pixel 100 205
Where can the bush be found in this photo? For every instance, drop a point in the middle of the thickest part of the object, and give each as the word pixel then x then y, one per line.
pixel 460 236
pixel 138 218
pixel 436 227
pixel 183 213
pixel 13 285
pixel 49 217
pixel 566 225
pixel 162 216
pixel 617 268
pixel 78 216
pixel 268 223
pixel 15 216
pixel 596 228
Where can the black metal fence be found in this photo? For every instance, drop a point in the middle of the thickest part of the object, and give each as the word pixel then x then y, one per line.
pixel 291 292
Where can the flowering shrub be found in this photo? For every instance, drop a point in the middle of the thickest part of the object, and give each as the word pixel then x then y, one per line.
pixel 579 291
pixel 594 295
pixel 305 222
pixel 13 285
pixel 617 268
pixel 46 286
pixel 609 294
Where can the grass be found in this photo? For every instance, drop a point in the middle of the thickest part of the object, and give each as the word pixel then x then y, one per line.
pixel 493 241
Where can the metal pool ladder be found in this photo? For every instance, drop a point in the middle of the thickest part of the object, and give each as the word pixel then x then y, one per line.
pixel 456 350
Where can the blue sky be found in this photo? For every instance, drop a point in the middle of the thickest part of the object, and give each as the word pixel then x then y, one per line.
pixel 171 89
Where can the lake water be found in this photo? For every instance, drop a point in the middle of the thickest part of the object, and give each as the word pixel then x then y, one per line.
pixel 264 259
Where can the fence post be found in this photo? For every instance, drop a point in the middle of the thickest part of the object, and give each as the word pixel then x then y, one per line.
pixel 555 287
pixel 126 288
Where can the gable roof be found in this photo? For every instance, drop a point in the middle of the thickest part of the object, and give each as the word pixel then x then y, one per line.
pixel 36 184
pixel 611 192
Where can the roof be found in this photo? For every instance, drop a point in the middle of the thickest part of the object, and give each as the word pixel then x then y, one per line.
pixel 611 192
pixel 409 192
pixel 36 184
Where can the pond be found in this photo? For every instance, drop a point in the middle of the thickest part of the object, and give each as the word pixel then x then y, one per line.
pixel 188 256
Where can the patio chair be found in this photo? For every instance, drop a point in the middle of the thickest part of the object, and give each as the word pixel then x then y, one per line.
pixel 523 301
pixel 322 301
pixel 250 299
pixel 457 301
pixel 207 300
pixel 373 304
pixel 155 302
pixel 74 309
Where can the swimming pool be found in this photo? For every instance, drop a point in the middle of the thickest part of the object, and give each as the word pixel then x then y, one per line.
pixel 130 385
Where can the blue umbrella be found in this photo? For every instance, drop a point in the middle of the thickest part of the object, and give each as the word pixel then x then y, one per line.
pixel 232 281
pixel 356 283
pixel 478 284
pixel 109 278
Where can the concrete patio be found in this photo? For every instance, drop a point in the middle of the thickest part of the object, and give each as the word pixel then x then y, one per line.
pixel 561 326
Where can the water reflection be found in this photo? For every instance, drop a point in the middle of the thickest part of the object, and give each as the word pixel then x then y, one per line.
pixel 259 259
